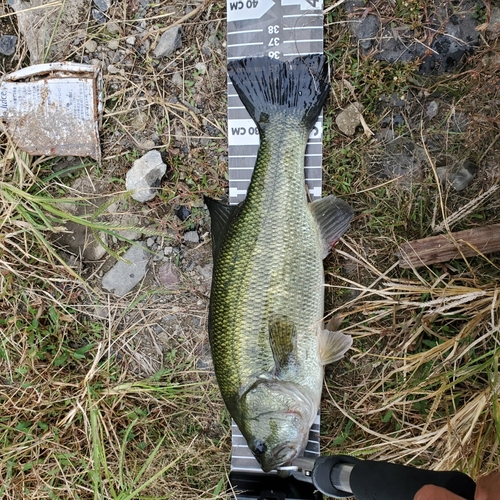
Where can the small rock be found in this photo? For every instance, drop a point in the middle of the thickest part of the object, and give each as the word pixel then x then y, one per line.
pixel 150 242
pixel 459 177
pixel 148 144
pixel 366 30
pixel 401 49
pixel 493 29
pixel 177 79
pixel 130 40
pixel 189 266
pixel 168 251
pixel 8 45
pixel 206 49
pixel 81 240
pixel 212 42
pixel 169 42
pixel 113 44
pixel 102 5
pixel 139 121
pixel 98 16
pixel 169 276
pixel 432 109
pixel 101 312
pixel 145 175
pixel 90 46
pixel 183 213
pixel 113 27
pixel 349 119
pixel 70 259
pixel 458 38
pixel 191 237
pixel 123 276
pixel 206 271
pixel 112 69
pixel 201 67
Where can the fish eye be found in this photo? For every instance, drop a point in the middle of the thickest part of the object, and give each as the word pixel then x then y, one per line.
pixel 259 447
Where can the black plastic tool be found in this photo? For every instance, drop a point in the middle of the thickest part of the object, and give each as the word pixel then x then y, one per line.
pixel 341 476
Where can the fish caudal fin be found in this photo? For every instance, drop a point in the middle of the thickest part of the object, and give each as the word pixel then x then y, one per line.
pixel 333 346
pixel 269 87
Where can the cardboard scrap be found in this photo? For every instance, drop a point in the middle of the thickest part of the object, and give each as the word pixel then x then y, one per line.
pixel 53 109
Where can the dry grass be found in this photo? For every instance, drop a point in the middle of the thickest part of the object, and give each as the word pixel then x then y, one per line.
pixel 97 402
pixel 424 386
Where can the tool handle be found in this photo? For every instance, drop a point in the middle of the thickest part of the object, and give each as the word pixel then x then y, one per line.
pixel 376 480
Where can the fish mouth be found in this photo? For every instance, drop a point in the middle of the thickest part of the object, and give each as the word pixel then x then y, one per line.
pixel 282 456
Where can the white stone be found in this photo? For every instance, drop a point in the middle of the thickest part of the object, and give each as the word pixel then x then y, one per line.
pixel 191 237
pixel 90 46
pixel 145 175
pixel 201 67
pixel 125 274
pixel 349 119
pixel 113 27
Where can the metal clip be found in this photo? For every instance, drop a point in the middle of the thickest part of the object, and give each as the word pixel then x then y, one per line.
pixel 300 469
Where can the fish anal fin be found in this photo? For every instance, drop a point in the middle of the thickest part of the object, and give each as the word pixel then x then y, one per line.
pixel 283 340
pixel 220 217
pixel 333 346
pixel 333 217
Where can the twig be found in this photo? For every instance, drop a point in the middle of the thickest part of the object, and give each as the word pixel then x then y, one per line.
pixel 189 14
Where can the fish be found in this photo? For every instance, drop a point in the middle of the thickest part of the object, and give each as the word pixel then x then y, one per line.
pixel 268 343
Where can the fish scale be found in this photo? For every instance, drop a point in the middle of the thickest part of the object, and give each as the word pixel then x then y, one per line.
pixel 274 233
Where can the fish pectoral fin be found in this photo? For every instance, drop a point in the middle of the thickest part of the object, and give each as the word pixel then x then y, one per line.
pixel 333 217
pixel 333 346
pixel 220 216
pixel 283 340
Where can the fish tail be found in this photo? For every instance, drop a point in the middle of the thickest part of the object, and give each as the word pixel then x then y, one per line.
pixel 271 88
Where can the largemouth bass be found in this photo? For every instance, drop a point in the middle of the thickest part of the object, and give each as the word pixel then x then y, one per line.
pixel 266 331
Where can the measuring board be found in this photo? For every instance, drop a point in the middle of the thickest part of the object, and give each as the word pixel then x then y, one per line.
pixel 282 29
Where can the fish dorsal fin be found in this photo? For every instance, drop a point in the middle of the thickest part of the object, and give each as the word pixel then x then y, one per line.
pixel 333 346
pixel 283 340
pixel 220 218
pixel 333 217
